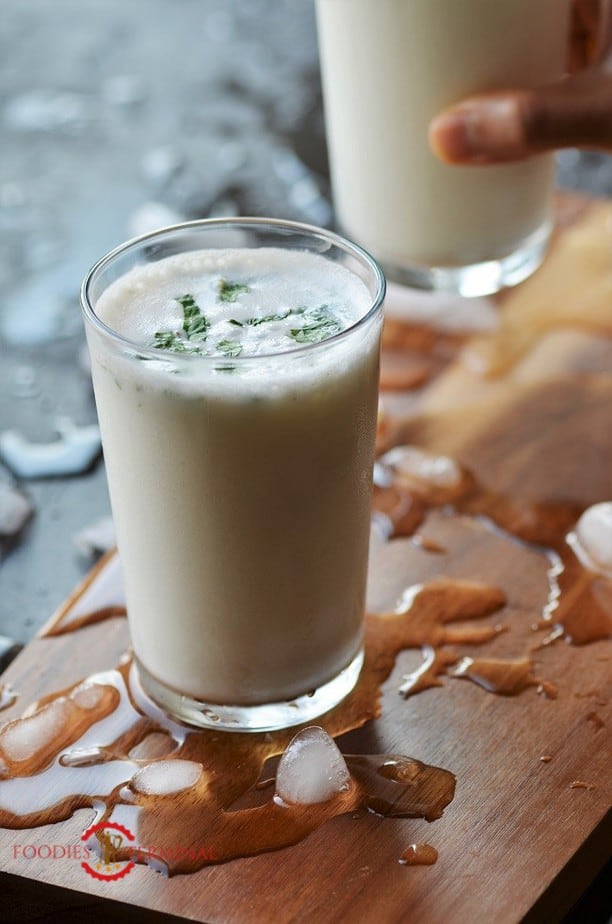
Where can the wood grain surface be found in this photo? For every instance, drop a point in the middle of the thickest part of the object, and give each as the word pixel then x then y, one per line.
pixel 523 836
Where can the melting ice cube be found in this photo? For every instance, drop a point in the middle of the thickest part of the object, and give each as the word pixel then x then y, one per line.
pixel 166 777
pixel 592 540
pixel 70 455
pixel 87 695
pixel 312 769
pixel 439 471
pixel 23 738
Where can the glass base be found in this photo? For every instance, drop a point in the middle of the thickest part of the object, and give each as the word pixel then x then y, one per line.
pixel 259 718
pixel 478 278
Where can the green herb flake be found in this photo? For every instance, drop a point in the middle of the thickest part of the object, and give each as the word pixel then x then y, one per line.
pixel 255 322
pixel 229 291
pixel 320 326
pixel 195 324
pixel 169 340
pixel 229 348
pixel 195 329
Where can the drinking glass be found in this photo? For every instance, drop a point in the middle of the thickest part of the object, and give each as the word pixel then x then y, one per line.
pixel 241 489
pixel 389 67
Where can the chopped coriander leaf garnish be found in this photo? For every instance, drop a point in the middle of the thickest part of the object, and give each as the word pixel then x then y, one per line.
pixel 229 347
pixel 189 305
pixel 169 340
pixel 320 326
pixel 195 327
pixel 254 322
pixel 318 323
pixel 229 291
pixel 195 324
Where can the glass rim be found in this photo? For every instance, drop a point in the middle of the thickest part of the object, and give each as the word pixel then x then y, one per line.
pixel 273 224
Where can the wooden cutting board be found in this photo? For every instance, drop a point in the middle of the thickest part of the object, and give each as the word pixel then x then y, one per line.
pixel 529 824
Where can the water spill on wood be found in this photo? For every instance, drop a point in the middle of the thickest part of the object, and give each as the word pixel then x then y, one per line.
pixel 506 676
pixel 89 743
pixel 57 769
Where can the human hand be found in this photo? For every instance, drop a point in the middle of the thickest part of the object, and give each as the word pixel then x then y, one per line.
pixel 509 125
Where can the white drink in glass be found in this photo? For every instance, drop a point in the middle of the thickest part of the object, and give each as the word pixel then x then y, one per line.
pixel 239 469
pixel 389 67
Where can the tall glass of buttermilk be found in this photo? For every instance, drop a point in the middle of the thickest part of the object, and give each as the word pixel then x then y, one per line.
pixel 235 369
pixel 388 68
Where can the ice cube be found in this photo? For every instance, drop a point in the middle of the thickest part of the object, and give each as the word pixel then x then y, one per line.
pixel 88 695
pixel 413 462
pixel 70 455
pixel 24 737
pixel 592 540
pixel 166 777
pixel 312 769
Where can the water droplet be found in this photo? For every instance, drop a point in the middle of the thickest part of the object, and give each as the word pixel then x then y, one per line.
pixel 419 855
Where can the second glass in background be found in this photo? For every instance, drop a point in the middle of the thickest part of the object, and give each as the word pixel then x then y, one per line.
pixel 389 67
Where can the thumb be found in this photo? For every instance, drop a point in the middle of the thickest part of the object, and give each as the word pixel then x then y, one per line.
pixel 513 124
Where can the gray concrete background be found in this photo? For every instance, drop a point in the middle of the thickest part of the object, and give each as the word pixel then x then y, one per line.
pixel 110 113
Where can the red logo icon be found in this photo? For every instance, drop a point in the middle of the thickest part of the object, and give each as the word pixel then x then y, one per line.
pixel 113 839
